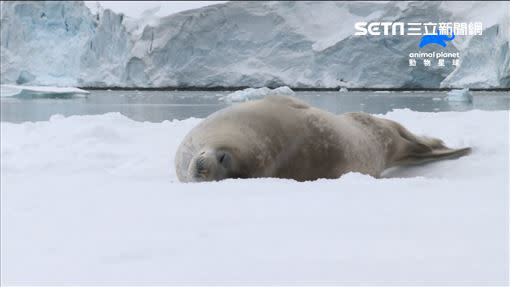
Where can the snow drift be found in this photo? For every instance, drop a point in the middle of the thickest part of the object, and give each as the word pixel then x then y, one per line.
pixel 255 44
pixel 90 200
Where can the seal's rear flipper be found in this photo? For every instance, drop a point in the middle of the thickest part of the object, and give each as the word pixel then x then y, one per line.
pixel 424 156
pixel 421 149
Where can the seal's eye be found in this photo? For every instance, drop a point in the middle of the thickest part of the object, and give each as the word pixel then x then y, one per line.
pixel 223 158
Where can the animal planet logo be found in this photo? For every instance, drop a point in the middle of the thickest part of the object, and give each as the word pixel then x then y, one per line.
pixel 433 33
pixel 435 39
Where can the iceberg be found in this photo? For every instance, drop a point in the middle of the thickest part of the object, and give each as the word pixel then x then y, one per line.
pixel 15 90
pixel 460 95
pixel 246 44
pixel 252 93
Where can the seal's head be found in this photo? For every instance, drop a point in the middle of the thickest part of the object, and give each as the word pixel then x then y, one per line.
pixel 213 164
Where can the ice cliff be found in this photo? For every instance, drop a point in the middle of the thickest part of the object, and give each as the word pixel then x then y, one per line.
pixel 298 44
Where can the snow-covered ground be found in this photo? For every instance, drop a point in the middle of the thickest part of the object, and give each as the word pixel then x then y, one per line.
pixel 95 200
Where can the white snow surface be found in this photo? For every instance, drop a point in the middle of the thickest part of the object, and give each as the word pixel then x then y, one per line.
pixel 95 200
pixel 15 90
pixel 247 43
pixel 256 93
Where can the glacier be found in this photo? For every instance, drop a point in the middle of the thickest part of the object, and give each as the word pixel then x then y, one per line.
pixel 247 44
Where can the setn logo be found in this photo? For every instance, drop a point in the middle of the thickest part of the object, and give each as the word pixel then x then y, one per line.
pixel 433 33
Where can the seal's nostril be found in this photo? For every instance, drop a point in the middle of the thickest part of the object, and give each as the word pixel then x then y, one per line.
pixel 201 173
pixel 222 157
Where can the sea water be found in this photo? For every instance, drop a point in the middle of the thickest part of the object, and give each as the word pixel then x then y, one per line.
pixel 157 106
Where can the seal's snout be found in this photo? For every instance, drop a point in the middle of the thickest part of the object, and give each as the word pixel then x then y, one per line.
pixel 201 169
pixel 210 165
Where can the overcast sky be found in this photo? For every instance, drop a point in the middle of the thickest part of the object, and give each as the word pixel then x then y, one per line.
pixel 135 8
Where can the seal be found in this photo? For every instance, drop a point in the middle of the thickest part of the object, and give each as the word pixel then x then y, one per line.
pixel 285 138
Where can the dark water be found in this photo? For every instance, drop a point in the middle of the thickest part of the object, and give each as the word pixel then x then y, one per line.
pixel 157 106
